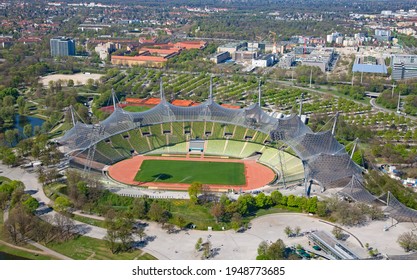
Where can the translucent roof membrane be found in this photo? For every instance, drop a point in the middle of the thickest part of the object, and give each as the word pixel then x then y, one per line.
pixel 356 191
pixel 399 211
pixel 325 160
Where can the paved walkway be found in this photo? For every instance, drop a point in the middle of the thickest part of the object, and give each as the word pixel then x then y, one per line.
pixel 232 245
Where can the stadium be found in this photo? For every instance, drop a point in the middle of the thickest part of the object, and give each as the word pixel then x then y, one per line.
pixel 168 147
pixel 266 149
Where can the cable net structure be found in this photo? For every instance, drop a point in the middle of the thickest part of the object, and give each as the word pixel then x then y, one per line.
pixel 324 159
pixel 357 192
pixel 399 211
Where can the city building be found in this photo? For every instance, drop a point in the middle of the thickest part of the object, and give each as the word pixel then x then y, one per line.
pixel 404 66
pixel 220 57
pixel 320 57
pixel 62 46
pixel 335 249
pixel 147 60
pixel 104 50
pixel 369 64
pixel 232 47
pixel 383 35
pixel 286 61
pixel 5 42
pixel 264 60
pixel 245 56
pixel 331 38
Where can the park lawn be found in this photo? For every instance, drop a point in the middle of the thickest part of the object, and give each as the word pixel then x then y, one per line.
pixel 23 254
pixel 90 221
pixel 83 248
pixel 186 172
pixel 17 252
pixel 198 215
pixel 136 108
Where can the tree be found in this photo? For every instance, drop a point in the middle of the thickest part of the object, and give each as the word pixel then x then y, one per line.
pixel 207 252
pixel 408 241
pixel 194 190
pixel 236 221
pixel 11 136
pixel 31 204
pixel 246 204
pixel 140 208
pixel 262 251
pixel 218 211
pixel 263 201
pixel 111 239
pixel 198 244
pixel 288 231
pixel 274 251
pixel 276 197
pixel 27 130
pixel 62 204
pixel 140 231
pixel 337 232
pixel 156 212
pixel 297 230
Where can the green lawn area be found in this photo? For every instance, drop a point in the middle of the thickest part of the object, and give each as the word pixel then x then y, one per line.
pixel 206 172
pixel 90 221
pixel 136 108
pixel 22 254
pixel 84 247
pixel 17 252
pixel 198 215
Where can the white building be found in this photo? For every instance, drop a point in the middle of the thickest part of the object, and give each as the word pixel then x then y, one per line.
pixel 264 61
pixel 104 50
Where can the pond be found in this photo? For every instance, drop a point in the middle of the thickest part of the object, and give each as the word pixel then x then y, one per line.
pixel 5 256
pixel 21 121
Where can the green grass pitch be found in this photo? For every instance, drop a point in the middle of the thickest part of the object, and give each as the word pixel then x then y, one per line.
pixel 206 172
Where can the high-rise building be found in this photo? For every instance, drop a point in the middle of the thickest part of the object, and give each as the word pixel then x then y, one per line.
pixel 62 46
pixel 404 66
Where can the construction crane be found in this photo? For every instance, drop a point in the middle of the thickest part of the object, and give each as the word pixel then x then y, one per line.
pixel 274 40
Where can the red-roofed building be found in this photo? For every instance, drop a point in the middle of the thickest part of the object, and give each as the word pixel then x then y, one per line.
pixel 166 53
pixel 230 106
pixel 135 101
pixel 152 61
pixel 152 101
pixel 30 40
pixel 110 108
pixel 147 41
pixel 191 45
pixel 182 103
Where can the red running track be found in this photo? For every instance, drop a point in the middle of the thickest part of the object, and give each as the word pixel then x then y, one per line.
pixel 257 175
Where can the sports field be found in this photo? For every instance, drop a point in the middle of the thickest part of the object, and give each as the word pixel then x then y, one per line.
pixel 206 172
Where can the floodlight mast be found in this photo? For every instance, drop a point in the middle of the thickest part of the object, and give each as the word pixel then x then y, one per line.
pixel 334 124
pixel 161 90
pixel 72 115
pixel 113 95
pixel 399 100
pixel 354 147
pixel 211 88
pixel 259 94
pixel 301 105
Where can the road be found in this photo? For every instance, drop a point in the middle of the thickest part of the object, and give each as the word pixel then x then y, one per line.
pixel 385 110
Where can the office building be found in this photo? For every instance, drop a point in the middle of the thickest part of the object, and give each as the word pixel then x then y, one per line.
pixel 404 67
pixel 62 46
